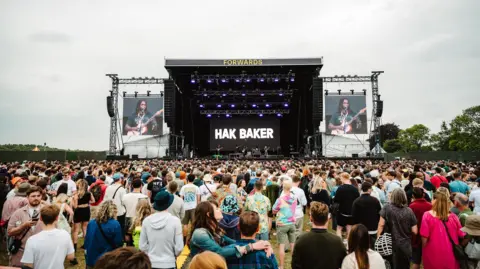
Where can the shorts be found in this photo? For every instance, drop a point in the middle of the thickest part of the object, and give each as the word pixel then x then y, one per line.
pixel 343 220
pixel 81 214
pixel 189 215
pixel 417 255
pixel 286 234
pixel 298 227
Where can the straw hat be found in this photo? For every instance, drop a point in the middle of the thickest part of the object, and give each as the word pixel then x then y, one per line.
pixel 472 225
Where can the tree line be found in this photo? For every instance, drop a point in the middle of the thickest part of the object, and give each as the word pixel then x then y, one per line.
pixel 460 134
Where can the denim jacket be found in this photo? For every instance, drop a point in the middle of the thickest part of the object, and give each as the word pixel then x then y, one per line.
pixel 202 240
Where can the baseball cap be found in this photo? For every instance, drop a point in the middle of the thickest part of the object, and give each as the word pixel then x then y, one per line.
pixel 15 180
pixel 117 176
pixel 145 176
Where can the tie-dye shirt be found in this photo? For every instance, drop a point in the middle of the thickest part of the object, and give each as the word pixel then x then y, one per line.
pixel 284 207
pixel 259 203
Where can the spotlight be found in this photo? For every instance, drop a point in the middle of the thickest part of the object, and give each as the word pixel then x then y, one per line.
pixel 209 115
pixel 148 93
pixel 228 115
pixel 223 80
pixel 192 81
pixel 254 105
pixel 262 80
pixel 352 91
pixel 209 81
pixel 339 92
pixel 285 105
pixel 219 105
pixel 202 106
pixel 243 94
pixel 224 94
pixel 267 105
pixel 124 94
pixel 205 95
pixel 292 79
pixel 262 94
pixel 260 115
pixel 279 114
pixel 232 105
pixel 280 94
pixel 237 80
pixel 275 80
pixel 136 93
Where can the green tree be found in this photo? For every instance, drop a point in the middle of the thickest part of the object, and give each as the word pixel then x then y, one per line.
pixel 413 138
pixel 388 131
pixel 392 146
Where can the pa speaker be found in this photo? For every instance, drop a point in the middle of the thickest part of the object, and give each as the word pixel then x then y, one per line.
pixel 379 111
pixel 110 110
pixel 354 155
pixel 317 102
pixel 169 102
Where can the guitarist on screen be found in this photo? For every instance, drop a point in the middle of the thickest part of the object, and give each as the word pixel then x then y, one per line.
pixel 341 122
pixel 142 122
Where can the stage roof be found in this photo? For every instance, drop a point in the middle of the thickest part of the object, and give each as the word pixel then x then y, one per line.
pixel 318 62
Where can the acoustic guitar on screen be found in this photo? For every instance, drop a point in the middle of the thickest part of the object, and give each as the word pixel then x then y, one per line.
pixel 346 126
pixel 142 128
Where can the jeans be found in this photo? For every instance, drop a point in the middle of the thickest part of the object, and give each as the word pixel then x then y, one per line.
pixel 262 236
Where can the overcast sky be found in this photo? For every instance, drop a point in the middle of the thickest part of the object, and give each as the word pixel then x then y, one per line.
pixel 54 54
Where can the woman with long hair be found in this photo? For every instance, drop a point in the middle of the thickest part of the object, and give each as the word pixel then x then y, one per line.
pixel 81 204
pixel 360 255
pixel 242 194
pixel 440 227
pixel 104 233
pixel 208 260
pixel 318 192
pixel 143 210
pixel 206 235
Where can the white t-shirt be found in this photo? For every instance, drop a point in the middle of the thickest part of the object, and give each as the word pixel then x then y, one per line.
pixel 130 200
pixel 301 201
pixel 108 180
pixel 72 187
pixel 374 259
pixel 118 201
pixel 204 193
pixel 48 249
pixel 189 193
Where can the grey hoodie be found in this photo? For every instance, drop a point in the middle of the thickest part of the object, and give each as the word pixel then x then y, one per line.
pixel 162 239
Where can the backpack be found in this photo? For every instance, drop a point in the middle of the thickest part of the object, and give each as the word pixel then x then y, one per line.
pixel 96 191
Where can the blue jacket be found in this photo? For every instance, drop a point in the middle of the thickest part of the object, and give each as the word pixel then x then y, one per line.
pixel 203 240
pixel 255 260
pixel 95 243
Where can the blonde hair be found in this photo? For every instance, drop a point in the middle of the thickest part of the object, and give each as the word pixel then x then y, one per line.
pixel 143 210
pixel 345 177
pixel 82 186
pixel 317 184
pixel 440 205
pixel 417 182
pixel 107 210
pixel 208 260
pixel 61 198
pixel 287 184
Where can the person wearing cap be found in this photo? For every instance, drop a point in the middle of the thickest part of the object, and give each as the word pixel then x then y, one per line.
pixel 16 181
pixel 146 179
pixel 115 193
pixel 161 236
pixel 208 188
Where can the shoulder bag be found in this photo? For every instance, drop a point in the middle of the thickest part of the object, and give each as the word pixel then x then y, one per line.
pixel 383 245
pixel 473 249
pixel 457 249
pixel 17 243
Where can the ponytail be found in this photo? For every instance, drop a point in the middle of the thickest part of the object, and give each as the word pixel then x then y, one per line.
pixel 362 259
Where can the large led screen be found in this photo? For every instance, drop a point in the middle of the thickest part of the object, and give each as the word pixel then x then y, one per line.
pixel 142 116
pixel 345 114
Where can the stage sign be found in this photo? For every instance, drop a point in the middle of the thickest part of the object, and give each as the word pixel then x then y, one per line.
pixel 142 116
pixel 345 114
pixel 243 62
pixel 245 132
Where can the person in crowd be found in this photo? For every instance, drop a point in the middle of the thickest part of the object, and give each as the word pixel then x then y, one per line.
pixel 242 193
pixel 49 248
pixel 461 208
pixel 251 183
pixel 143 210
pixel 301 202
pixel 81 205
pixel 310 251
pixel 162 236
pixel 109 176
pixel 474 198
pixel 226 189
pixel 402 223
pixel 318 192
pixel 472 239
pixel 19 200
pixel 97 189
pixel 208 260
pixel 191 197
pixel 284 208
pixel 440 227
pixel 250 226
pixel 130 200
pixel 124 258
pixel 360 255
pixel 16 181
pixel 438 178
pixel 419 206
pixel 24 223
pixel 116 192
pixel 177 208
pixel 394 182
pixel 366 211
pixel 259 203
pixel 208 188
pixel 345 195
pixel 154 186
pixel 230 220
pixel 66 178
pixel 458 185
pixel 104 233
pixel 206 235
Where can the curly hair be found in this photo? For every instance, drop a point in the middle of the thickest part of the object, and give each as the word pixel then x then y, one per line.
pixel 107 210
pixel 143 210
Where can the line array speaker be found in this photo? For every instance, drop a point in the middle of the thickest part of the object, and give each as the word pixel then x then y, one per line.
pixel 110 110
pixel 317 102
pixel 169 103
pixel 379 111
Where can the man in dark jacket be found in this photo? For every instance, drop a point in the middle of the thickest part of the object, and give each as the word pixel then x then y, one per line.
pixel 366 210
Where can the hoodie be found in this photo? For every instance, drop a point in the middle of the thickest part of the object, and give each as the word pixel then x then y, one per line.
pixel 162 239
pixel 229 224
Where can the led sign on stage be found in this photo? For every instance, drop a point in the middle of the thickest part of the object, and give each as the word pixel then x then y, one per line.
pixel 243 62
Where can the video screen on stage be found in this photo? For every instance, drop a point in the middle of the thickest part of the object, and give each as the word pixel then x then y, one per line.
pixel 237 134
pixel 346 114
pixel 142 116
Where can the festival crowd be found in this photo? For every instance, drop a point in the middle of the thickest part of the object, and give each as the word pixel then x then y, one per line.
pixel 223 214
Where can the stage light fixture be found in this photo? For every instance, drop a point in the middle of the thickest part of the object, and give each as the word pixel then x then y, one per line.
pixel 228 115
pixel 292 79
pixel 136 93
pixel 232 105
pixel 254 105
pixel 262 94
pixel 219 105
pixel 276 80
pixel 148 93
pixel 205 95
pixel 223 80
pixel 285 105
pixel 248 80
pixel 280 94
pixel 339 92
pixel 243 94
pixel 279 115
pixel 260 115
pixel 352 91
pixel 209 81
pixel 192 81
pixel 209 115
pixel 202 106
pixel 262 79
pixel 364 91
pixel 237 80
pixel 267 105
pixel 124 94
pixel 224 94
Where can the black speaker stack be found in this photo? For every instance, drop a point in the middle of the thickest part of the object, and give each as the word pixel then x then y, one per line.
pixel 317 102
pixel 110 110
